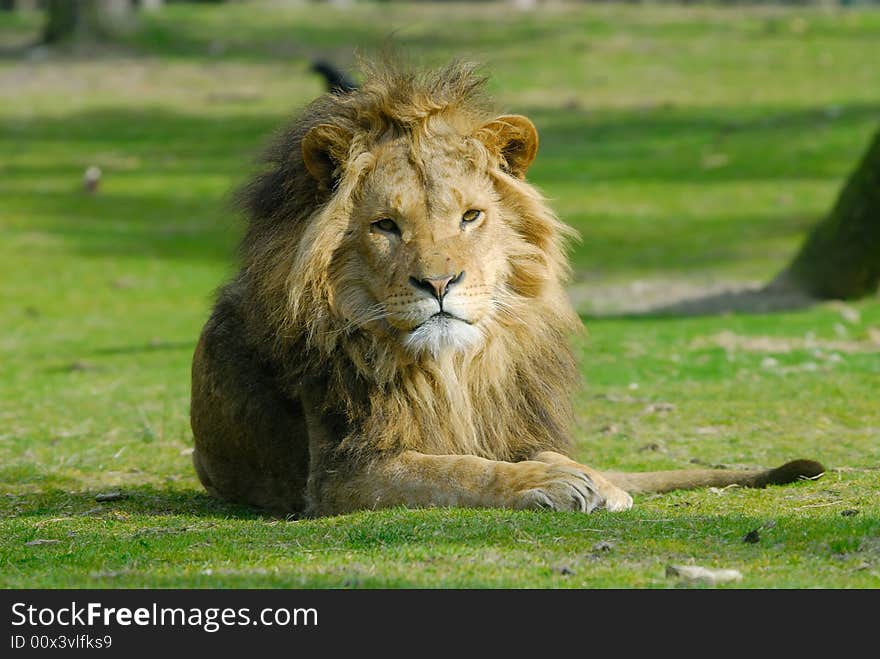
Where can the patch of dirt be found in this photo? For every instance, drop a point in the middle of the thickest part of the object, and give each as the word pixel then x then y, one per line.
pixel 691 297
pixel 782 345
pixel 683 297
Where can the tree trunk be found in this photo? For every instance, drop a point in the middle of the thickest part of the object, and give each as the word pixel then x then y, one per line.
pixel 84 20
pixel 64 15
pixel 841 257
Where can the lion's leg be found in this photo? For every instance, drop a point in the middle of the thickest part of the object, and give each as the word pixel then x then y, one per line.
pixel 250 440
pixel 419 480
pixel 615 498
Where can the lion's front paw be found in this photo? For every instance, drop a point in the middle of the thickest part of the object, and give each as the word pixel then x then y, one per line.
pixel 610 497
pixel 616 499
pixel 558 487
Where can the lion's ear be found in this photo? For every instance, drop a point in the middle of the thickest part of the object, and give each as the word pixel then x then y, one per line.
pixel 324 148
pixel 514 138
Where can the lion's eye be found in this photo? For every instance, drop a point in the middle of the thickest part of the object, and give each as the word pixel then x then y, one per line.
pixel 387 225
pixel 471 215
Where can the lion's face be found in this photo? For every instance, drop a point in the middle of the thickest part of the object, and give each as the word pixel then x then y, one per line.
pixel 426 248
pixel 429 246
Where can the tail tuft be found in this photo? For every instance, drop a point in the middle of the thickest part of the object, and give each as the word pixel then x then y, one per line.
pixel 795 470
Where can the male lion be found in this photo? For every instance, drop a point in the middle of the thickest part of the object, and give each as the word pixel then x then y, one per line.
pixel 398 333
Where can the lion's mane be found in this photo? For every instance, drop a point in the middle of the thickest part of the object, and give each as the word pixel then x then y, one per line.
pixel 508 399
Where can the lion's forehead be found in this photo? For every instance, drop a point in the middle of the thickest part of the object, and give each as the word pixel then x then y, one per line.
pixel 412 178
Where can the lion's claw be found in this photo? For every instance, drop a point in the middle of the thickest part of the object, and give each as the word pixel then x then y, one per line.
pixel 563 488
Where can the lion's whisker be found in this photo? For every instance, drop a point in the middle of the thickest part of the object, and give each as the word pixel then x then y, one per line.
pixel 371 314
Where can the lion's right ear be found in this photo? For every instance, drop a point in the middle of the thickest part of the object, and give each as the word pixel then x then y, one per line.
pixel 324 148
pixel 514 139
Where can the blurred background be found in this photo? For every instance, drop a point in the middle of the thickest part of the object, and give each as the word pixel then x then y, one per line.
pixel 693 145
pixel 715 157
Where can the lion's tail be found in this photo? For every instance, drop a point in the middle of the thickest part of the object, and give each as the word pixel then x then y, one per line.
pixel 687 479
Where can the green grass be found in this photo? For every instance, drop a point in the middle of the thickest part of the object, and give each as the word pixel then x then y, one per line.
pixel 686 145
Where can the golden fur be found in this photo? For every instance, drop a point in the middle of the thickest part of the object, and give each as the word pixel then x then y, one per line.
pixel 398 333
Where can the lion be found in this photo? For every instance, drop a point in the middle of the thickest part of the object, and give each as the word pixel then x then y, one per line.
pixel 398 333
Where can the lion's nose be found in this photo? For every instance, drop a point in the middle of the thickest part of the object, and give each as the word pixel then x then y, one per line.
pixel 437 286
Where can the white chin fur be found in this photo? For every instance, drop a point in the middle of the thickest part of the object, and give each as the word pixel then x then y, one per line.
pixel 438 334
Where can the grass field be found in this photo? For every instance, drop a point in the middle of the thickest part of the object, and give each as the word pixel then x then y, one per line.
pixel 689 146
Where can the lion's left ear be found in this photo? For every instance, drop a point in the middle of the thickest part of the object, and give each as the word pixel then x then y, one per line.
pixel 514 139
pixel 324 148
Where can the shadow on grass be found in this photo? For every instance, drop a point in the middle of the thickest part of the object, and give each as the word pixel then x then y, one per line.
pixel 142 500
pixel 672 144
pixel 167 184
pixel 153 346
pixel 80 365
pixel 389 531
